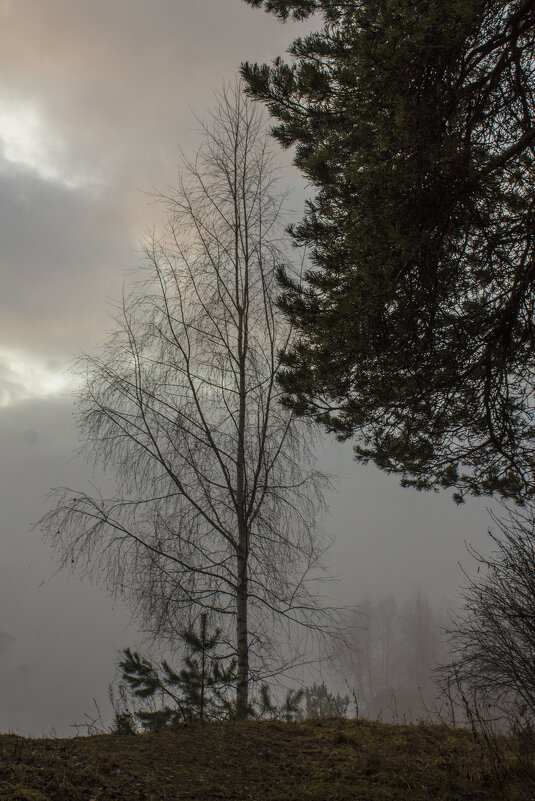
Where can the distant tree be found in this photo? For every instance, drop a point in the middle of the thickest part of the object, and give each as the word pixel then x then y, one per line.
pixel 386 626
pixel 421 646
pixel 414 120
pixel 216 494
pixel 357 658
pixel 391 655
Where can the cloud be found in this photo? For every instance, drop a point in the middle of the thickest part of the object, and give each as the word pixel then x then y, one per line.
pixel 28 141
pixel 96 103
pixel 7 641
pixel 119 79
pixel 62 250
pixel 23 376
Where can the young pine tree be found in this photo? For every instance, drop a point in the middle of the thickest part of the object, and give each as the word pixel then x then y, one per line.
pixel 196 692
pixel 320 703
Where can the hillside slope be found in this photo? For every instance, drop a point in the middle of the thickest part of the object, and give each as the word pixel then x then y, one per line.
pixel 337 760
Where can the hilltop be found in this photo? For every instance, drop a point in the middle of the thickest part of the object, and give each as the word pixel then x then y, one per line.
pixel 333 760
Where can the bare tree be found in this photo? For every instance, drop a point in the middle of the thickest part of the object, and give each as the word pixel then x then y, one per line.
pixel 390 657
pixel 216 497
pixel 492 640
pixel 421 645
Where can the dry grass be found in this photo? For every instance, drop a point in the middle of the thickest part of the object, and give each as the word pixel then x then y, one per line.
pixel 336 760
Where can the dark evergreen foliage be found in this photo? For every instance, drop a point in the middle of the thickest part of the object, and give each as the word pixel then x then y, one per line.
pixel 295 9
pixel 414 121
pixel 196 692
pixel 321 703
pixel 124 723
pixel 264 705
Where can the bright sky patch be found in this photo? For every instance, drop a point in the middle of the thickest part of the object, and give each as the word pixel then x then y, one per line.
pixel 26 139
pixel 24 376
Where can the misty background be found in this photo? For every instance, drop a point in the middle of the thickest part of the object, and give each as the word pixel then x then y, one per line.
pixel 97 101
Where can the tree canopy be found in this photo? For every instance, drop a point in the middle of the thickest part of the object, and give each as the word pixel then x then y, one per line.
pixel 413 120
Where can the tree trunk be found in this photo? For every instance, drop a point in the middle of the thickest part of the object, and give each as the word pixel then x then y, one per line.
pixel 242 590
pixel 203 662
pixel 242 687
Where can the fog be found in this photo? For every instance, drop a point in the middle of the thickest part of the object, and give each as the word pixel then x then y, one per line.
pixel 60 636
pixel 96 101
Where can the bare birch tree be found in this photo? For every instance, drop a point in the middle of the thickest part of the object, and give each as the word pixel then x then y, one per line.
pixel 216 496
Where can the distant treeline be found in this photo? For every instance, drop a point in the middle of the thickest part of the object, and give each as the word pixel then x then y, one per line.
pixel 393 650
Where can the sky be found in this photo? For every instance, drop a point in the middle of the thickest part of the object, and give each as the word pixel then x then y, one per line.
pixel 98 99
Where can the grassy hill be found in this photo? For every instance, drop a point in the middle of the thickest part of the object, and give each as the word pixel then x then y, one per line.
pixel 335 760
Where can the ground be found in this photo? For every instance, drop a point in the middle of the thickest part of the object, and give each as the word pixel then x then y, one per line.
pixel 335 760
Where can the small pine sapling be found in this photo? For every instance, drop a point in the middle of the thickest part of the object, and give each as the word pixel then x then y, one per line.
pixel 320 703
pixel 265 707
pixel 196 692
pixel 204 679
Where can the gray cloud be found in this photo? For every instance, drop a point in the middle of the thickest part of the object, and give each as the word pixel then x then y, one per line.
pixel 113 85
pixel 117 80
pixel 60 249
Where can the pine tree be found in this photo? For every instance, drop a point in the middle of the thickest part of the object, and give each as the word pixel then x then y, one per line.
pixel 415 122
pixel 196 692
pixel 320 703
pixel 205 676
pixel 264 705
